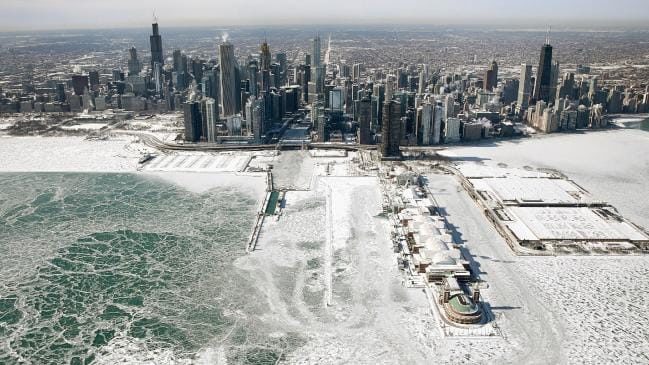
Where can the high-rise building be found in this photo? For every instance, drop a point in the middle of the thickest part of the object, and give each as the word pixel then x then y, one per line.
pixel 60 92
pixel 134 66
pixel 178 60
pixel 282 60
pixel 93 77
pixel 79 84
pixel 265 57
pixel 524 86
pixel 356 72
pixel 210 114
pixel 424 130
pixel 336 100
pixel 156 46
pixel 543 82
pixel 391 129
pixel 319 79
pixel 422 83
pixel 252 75
pixel 317 57
pixel 452 130
pixel 193 121
pixel 158 78
pixel 491 76
pixel 229 88
pixel 364 119
pixel 211 84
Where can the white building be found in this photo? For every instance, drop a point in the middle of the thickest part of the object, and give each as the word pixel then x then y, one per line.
pixel 452 132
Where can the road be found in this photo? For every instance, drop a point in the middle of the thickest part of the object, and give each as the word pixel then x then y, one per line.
pixel 154 142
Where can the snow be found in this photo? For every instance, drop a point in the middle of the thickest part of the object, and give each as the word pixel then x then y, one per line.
pixel 67 154
pixel 612 165
pixel 563 309
pixel 84 126
pixel 540 190
pixel 551 309
pixel 195 182
pixel 199 162
pixel 571 223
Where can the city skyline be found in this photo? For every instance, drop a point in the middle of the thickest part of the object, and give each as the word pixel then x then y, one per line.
pixel 73 14
pixel 181 192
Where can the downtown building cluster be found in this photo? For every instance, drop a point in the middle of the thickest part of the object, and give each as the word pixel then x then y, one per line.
pixel 264 98
pixel 417 106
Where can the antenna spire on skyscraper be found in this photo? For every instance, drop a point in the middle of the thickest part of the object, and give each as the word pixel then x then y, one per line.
pixel 547 36
pixel 155 17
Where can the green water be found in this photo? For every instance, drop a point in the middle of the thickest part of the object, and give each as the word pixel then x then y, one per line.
pixel 644 125
pixel 97 264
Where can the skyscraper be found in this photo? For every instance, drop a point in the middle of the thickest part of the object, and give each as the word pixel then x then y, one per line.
pixel 283 66
pixel 156 46
pixel 229 87
pixel 317 58
pixel 319 79
pixel 266 58
pixel 491 76
pixel 210 114
pixel 544 74
pixel 391 128
pixel 79 84
pixel 365 117
pixel 525 86
pixel 134 66
pixel 93 77
pixel 193 121
pixel 178 60
pixel 158 78
pixel 252 75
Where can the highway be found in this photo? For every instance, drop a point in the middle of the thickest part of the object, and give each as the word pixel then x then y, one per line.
pixel 155 142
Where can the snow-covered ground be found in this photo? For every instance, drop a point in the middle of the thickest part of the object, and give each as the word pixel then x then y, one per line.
pixel 612 165
pixel 254 183
pixel 329 274
pixel 84 127
pixel 68 154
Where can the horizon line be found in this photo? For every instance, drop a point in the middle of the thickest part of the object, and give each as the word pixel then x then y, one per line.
pixel 495 25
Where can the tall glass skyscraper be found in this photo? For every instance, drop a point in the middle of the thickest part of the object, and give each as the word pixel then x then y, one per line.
pixel 156 46
pixel 543 82
pixel 524 86
pixel 228 79
pixel 317 57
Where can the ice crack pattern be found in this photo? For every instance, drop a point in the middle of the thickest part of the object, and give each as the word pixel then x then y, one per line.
pixel 100 264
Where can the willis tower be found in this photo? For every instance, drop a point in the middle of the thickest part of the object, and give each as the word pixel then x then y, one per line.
pixel 156 46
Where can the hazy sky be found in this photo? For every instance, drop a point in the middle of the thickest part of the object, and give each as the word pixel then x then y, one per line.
pixel 58 14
